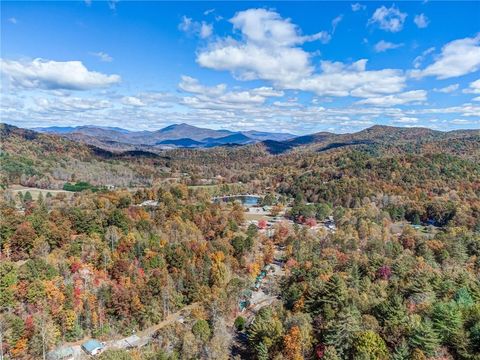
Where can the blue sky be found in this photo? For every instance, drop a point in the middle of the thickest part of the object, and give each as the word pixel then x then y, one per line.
pixel 297 67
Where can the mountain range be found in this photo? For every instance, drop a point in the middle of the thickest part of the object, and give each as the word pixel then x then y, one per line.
pixel 176 135
pixel 117 141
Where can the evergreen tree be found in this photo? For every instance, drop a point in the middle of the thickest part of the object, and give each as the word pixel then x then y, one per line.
pixel 447 320
pixel 342 331
pixel 27 198
pixel 262 351
pixel 401 351
pixel 423 337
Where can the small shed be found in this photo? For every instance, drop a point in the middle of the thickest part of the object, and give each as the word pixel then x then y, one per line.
pixel 92 347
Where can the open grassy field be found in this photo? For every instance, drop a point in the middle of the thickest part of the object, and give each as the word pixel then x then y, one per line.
pixel 36 191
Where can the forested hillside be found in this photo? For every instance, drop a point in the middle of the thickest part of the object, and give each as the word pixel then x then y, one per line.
pixel 48 161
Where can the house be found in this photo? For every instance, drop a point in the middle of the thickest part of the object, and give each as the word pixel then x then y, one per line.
pixel 62 353
pixel 130 342
pixel 93 347
pixel 149 203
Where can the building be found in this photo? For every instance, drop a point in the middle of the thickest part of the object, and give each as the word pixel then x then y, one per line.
pixel 151 203
pixel 62 353
pixel 93 347
pixel 130 342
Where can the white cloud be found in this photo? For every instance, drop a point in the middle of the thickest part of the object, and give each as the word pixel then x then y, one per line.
pixel 132 101
pixel 335 22
pixel 209 11
pixel 396 99
pixel 267 51
pixel 265 27
pixel 206 30
pixel 388 19
pixel 406 120
pixel 421 21
pixel 473 88
pixel 358 7
pixel 102 56
pixel 112 4
pixel 460 121
pixel 67 104
pixel 13 21
pixel 383 46
pixel 201 29
pixel 417 62
pixel 339 79
pixel 152 99
pixel 447 89
pixel 192 85
pixel 217 97
pixel 51 75
pixel 458 57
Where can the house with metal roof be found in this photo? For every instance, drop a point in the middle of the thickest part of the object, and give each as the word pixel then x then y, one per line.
pixel 93 347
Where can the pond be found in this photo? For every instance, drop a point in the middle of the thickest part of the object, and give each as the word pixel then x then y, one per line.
pixel 248 200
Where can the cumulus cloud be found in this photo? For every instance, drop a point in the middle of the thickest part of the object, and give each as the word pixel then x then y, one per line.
pixel 447 89
pixel 388 19
pixel 52 75
pixel 268 51
pixel 339 79
pixel 12 20
pixel 357 7
pixel 102 56
pixel 421 21
pixel 191 27
pixel 383 46
pixel 457 58
pixel 265 27
pixel 396 99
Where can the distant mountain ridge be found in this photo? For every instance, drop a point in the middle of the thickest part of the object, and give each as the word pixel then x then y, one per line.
pixel 176 135
pixel 386 136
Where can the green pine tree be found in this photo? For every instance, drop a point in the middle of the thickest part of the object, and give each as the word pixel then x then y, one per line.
pixel 342 331
pixel 401 351
pixel 425 338
pixel 262 351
